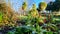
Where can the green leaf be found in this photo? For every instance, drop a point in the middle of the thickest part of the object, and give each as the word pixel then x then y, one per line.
pixel 1 16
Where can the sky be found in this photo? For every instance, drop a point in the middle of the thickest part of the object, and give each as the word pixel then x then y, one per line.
pixel 16 4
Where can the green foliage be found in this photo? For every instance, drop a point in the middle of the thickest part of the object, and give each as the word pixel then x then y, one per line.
pixel 34 7
pixel 10 32
pixel 33 12
pixel 42 5
pixel 31 23
pixel 49 32
pixel 54 6
pixel 1 16
pixel 23 30
pixel 24 6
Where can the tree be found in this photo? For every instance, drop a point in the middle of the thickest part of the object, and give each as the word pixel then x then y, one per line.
pixel 42 5
pixel 3 7
pixel 6 13
pixel 24 6
pixel 57 0
pixel 54 6
pixel 57 5
pixel 50 6
pixel 33 11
